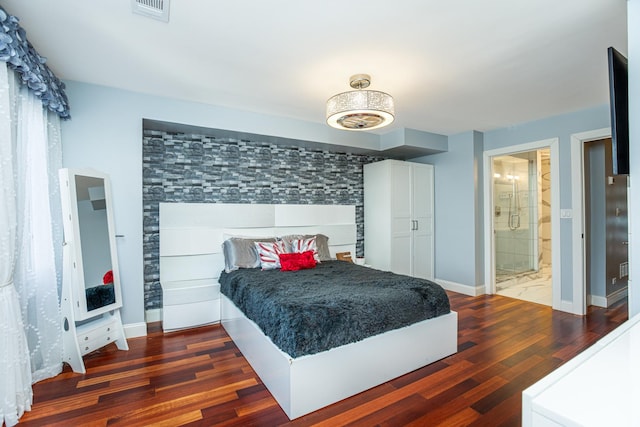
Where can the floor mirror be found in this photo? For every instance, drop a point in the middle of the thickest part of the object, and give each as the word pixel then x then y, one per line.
pixel 91 289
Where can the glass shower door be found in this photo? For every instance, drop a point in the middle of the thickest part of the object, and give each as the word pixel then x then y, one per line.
pixel 522 225
pixel 514 230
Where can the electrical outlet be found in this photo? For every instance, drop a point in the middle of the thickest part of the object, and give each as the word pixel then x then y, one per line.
pixel 624 269
pixel 613 280
pixel 566 213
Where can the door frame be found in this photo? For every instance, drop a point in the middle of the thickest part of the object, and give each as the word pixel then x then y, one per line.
pixel 577 201
pixel 489 241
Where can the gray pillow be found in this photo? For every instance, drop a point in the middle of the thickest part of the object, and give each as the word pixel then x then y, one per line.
pixel 322 244
pixel 241 253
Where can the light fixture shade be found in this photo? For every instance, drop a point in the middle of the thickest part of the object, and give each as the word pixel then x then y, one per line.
pixel 360 110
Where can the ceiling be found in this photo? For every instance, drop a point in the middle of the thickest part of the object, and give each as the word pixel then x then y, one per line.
pixel 451 65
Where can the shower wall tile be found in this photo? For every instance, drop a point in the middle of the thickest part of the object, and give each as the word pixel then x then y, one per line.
pixel 180 167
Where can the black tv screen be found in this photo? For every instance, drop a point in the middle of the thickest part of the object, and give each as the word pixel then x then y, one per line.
pixel 619 106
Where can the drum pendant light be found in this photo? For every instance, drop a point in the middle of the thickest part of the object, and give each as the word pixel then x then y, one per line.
pixel 360 109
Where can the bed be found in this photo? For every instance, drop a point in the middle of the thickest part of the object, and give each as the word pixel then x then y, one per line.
pixel 307 372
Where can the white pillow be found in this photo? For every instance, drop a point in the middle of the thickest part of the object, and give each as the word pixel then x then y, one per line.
pixel 306 244
pixel 322 244
pixel 269 254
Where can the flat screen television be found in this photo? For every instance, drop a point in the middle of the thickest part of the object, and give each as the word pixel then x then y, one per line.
pixel 619 106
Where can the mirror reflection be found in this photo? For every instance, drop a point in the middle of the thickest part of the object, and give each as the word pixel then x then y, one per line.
pixel 94 241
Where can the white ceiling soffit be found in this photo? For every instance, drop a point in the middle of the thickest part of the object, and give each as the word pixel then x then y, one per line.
pixel 156 9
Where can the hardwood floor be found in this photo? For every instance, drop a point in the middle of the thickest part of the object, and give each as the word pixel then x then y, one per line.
pixel 199 378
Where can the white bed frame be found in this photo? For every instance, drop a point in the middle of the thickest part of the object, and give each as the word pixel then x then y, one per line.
pixel 191 236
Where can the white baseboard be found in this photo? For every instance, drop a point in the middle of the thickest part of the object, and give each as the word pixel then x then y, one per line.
pixel 134 330
pixel 598 301
pixel 567 307
pixel 617 296
pixel 610 299
pixel 153 315
pixel 460 288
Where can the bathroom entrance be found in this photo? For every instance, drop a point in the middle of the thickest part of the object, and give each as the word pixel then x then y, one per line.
pixel 522 225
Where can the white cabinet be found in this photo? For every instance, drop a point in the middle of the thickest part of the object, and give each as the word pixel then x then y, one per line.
pixel 189 303
pixel 398 217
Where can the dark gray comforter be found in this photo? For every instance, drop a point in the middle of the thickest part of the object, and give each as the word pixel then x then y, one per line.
pixel 336 303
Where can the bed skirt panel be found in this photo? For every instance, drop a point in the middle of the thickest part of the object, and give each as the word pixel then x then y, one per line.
pixel 305 384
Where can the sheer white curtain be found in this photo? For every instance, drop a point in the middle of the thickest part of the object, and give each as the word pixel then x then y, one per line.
pixel 30 245
pixel 38 275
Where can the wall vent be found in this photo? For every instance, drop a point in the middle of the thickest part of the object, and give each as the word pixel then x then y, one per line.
pixel 156 9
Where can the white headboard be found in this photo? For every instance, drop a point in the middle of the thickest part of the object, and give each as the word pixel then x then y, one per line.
pixel 191 234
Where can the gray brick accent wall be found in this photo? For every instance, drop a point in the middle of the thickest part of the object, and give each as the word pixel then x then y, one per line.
pixel 180 167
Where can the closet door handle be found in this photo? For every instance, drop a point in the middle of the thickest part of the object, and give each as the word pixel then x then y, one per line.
pixel 416 221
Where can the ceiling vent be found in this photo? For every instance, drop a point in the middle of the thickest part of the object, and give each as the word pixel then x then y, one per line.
pixel 156 9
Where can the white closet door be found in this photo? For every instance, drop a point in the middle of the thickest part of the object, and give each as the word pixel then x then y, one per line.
pixel 401 218
pixel 422 206
pixel 398 200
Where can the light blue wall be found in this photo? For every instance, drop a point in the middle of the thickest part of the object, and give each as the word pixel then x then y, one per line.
pixel 456 210
pixel 633 17
pixel 561 127
pixel 459 193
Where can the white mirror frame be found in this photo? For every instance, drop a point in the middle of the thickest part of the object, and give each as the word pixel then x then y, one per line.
pixel 73 273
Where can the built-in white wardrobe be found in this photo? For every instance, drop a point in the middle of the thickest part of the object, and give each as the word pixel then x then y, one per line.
pixel 398 217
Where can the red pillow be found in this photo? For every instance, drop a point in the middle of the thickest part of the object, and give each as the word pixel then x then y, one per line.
pixel 107 278
pixel 297 261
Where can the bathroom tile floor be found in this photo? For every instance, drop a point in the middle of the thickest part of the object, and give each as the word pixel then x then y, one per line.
pixel 534 286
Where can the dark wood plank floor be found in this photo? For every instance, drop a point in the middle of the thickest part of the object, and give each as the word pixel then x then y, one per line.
pixel 199 378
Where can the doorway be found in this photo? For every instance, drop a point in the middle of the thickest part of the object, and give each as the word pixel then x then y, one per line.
pixel 522 225
pixel 521 218
pixel 606 226
pixel 581 271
